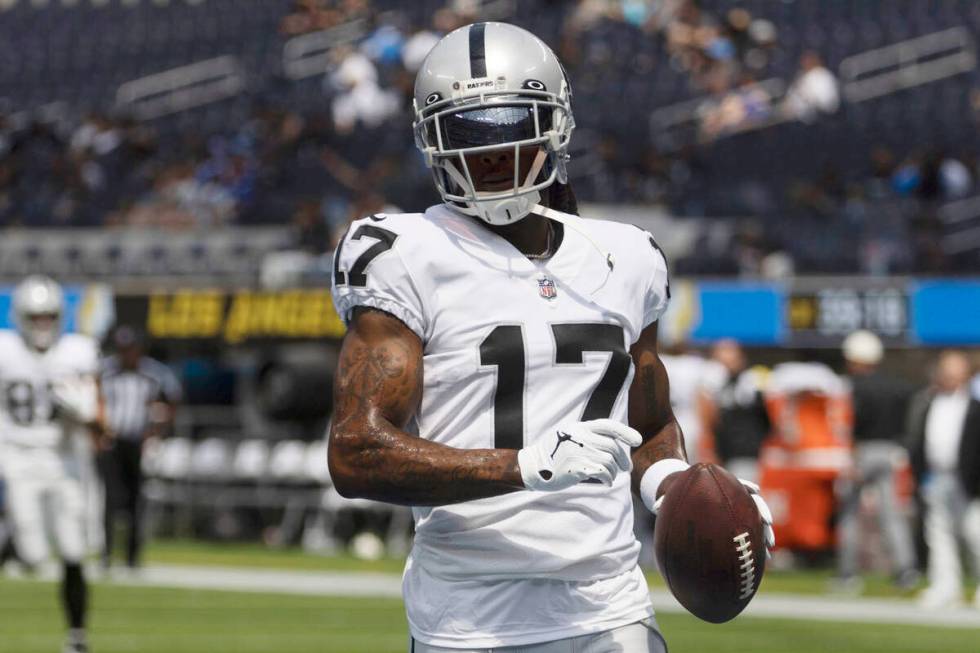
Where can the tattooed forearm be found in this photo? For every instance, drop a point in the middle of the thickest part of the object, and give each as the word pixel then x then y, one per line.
pixel 377 391
pixel 650 412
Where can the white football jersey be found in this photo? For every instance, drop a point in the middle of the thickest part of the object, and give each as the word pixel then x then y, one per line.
pixel 512 349
pixel 27 414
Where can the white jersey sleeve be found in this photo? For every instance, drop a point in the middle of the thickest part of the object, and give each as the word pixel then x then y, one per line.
pixel 369 270
pixel 658 290
pixel 80 353
pixel 27 405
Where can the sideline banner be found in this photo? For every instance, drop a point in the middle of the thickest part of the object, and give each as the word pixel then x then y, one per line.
pixel 804 312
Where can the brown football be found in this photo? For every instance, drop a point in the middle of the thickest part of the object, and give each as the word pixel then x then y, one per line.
pixel 709 542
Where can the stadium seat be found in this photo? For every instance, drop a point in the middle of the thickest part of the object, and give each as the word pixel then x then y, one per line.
pixel 287 462
pixel 316 462
pixel 211 461
pixel 251 460
pixel 175 459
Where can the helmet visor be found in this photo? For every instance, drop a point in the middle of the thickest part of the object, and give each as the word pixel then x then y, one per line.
pixel 493 125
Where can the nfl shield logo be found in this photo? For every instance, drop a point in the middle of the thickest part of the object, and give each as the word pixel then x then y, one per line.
pixel 546 288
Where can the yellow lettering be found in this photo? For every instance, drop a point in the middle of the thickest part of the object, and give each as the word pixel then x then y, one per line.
pixel 236 325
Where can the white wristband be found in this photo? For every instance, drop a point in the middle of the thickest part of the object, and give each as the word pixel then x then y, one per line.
pixel 654 476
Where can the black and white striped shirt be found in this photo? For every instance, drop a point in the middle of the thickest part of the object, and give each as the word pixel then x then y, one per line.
pixel 129 393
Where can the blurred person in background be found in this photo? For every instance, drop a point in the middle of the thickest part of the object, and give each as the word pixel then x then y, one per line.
pixel 813 92
pixel 686 369
pixel 944 437
pixel 49 408
pixel 733 410
pixel 359 98
pixel 879 405
pixel 975 380
pixel 140 397
pixel 7 551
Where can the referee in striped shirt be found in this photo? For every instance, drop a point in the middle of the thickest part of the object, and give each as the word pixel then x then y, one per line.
pixel 140 397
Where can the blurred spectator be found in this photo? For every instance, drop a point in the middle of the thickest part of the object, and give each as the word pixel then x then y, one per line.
pixel 975 381
pixel 686 369
pixel 944 423
pixel 360 101
pixel 385 43
pixel 814 91
pixel 108 169
pixel 955 179
pixel 733 410
pixel 312 234
pixel 309 16
pixel 179 199
pixel 879 404
pixel 140 397
pixel 417 47
pixel 746 106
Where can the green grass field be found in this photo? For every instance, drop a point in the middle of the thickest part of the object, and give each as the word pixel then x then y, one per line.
pixel 156 620
pixel 149 620
pixel 255 555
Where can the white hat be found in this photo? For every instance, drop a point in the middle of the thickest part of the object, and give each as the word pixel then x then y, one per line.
pixel 863 347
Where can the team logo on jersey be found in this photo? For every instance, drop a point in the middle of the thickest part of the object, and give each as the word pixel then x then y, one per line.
pixel 547 288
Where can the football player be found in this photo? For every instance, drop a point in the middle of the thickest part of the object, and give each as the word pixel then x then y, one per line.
pixel 500 372
pixel 48 395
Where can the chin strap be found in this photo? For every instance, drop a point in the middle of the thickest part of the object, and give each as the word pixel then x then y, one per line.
pixel 506 210
pixel 569 221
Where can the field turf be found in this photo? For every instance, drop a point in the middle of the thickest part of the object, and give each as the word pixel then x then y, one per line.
pixel 151 620
pixel 156 620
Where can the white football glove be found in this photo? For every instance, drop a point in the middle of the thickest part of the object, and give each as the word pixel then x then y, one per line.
pixel 583 451
pixel 76 399
pixel 765 513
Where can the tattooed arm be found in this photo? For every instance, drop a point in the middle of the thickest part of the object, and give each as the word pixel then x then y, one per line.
pixel 377 391
pixel 649 409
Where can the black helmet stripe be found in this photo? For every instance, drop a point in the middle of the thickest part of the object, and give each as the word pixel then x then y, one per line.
pixel 478 51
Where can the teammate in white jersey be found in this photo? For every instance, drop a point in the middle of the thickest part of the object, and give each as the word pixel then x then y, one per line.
pixel 500 371
pixel 48 399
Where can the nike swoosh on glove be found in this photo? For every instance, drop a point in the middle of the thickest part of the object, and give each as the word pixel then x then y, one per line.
pixel 596 450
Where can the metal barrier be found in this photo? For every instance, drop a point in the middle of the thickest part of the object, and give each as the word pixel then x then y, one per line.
pixel 961 225
pixel 669 121
pixel 907 64
pixel 309 54
pixel 182 88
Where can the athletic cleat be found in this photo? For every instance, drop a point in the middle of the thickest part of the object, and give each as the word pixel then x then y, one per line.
pixel 76 643
pixel 907 580
pixel 933 599
pixel 846 585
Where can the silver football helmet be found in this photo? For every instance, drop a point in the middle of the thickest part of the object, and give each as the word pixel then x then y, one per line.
pixel 489 87
pixel 35 298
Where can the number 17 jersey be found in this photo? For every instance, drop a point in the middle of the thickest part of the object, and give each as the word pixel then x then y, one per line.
pixel 513 349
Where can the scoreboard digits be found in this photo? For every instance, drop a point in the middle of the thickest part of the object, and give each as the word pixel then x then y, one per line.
pixel 814 316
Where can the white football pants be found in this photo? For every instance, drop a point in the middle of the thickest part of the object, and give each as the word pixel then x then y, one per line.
pixel 876 464
pixel 640 637
pixel 950 513
pixel 44 497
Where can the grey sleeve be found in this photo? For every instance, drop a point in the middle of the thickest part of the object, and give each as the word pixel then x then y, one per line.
pixel 170 388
